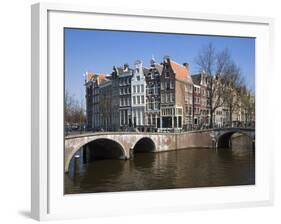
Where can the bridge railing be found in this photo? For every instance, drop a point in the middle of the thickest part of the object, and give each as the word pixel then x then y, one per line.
pixel 163 130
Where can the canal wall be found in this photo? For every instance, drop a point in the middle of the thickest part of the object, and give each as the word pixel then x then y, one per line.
pixel 186 140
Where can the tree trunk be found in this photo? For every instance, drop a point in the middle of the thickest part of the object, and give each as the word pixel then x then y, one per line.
pixel 211 118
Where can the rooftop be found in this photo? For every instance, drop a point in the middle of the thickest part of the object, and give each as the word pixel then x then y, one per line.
pixel 181 71
pixel 196 79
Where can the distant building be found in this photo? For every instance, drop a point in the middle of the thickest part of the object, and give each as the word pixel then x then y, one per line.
pixel 221 117
pixel 201 106
pixel 152 78
pixel 176 96
pixel 93 114
pixel 115 103
pixel 138 96
pixel 162 97
pixel 121 78
pixel 89 99
pixel 105 105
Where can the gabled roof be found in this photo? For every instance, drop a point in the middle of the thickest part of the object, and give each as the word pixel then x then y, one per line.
pixel 89 76
pixel 119 70
pixel 145 70
pixel 196 79
pixel 181 72
pixel 159 68
pixel 104 82
pixel 101 78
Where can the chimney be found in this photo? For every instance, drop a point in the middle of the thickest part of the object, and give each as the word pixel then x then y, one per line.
pixel 187 66
pixel 166 59
pixel 126 67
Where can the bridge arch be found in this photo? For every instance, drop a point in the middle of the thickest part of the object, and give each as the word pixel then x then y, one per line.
pixel 144 144
pixel 224 139
pixel 103 148
pixel 100 148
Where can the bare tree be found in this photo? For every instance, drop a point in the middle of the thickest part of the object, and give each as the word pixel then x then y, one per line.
pixel 225 84
pixel 73 110
pixel 232 89
pixel 214 64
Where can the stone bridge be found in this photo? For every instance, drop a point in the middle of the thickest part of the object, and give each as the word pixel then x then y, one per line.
pixel 122 145
pixel 221 137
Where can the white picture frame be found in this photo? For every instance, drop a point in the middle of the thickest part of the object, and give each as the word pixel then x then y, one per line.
pixel 48 201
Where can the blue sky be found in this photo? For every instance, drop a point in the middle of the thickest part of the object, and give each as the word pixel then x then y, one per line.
pixel 99 50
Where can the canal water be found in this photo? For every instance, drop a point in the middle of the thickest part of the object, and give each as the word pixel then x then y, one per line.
pixel 187 168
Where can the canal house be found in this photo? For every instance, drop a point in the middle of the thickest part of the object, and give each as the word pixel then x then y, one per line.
pixel 176 96
pixel 138 99
pixel 152 78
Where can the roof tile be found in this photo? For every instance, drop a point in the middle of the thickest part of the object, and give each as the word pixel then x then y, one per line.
pixel 181 72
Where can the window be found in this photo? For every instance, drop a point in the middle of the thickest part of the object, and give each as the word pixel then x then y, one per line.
pixel 167 84
pixel 138 88
pixel 157 90
pixel 179 111
pixel 162 98
pixel 134 89
pixel 138 99
pixel 142 88
pixel 142 99
pixel 157 106
pixel 153 120
pixel 138 78
pixel 134 100
pixel 172 97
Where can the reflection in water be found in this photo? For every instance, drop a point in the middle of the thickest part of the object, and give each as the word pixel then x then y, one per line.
pixel 166 170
